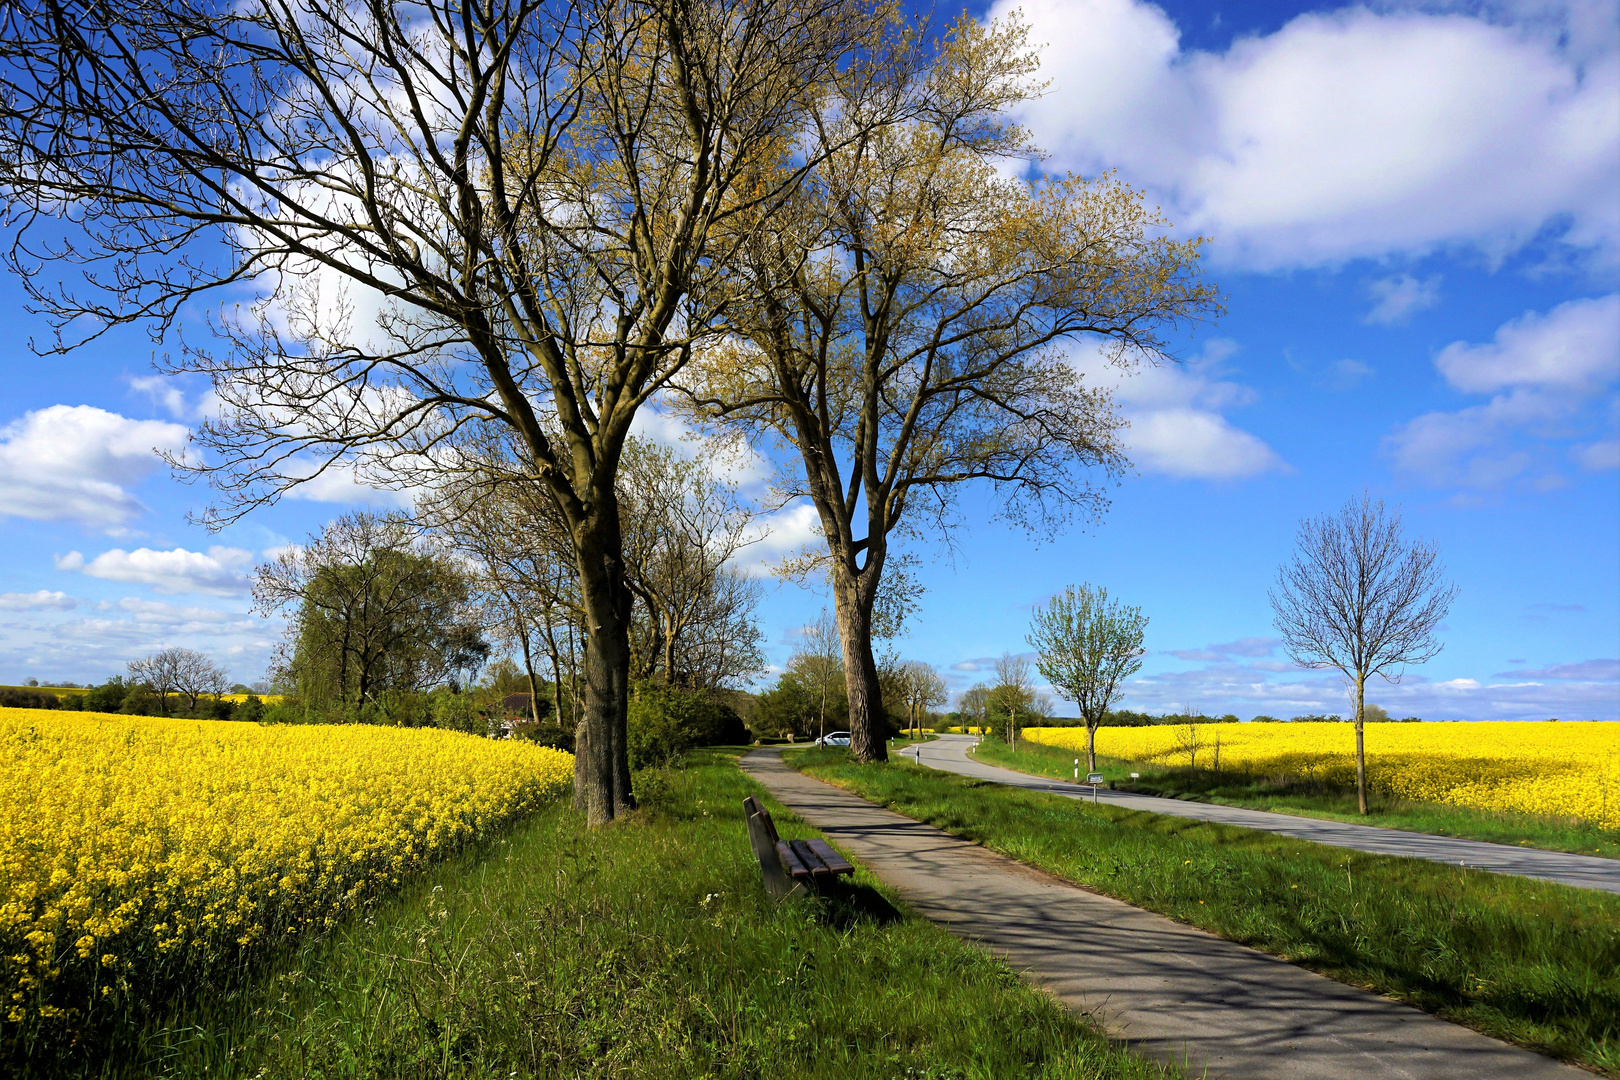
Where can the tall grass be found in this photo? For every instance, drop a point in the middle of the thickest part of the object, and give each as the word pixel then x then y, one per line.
pixel 1524 960
pixel 644 949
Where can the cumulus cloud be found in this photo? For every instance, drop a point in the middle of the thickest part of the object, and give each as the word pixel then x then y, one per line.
pixel 1398 297
pixel 77 462
pixel 1355 133
pixel 1544 373
pixel 1575 347
pixel 1175 416
pixel 43 600
pixel 217 572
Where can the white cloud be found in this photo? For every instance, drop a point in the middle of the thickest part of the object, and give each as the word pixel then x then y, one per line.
pixel 1356 133
pixel 1343 374
pixel 163 391
pixel 156 611
pixel 729 457
pixel 1398 297
pixel 43 600
pixel 1176 428
pixel 1599 456
pixel 1199 445
pixel 337 483
pixel 75 462
pixel 775 536
pixel 218 572
pixel 1575 346
pixel 1545 372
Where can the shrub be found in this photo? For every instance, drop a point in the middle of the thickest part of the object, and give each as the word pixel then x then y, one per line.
pixel 665 723
pixel 251 710
pixel 108 697
pixel 28 699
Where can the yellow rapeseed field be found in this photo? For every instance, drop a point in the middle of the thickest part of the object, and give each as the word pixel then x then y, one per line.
pixel 1558 769
pixel 135 850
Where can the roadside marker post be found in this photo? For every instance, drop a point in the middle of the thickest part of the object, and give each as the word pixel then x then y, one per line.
pixel 1077 770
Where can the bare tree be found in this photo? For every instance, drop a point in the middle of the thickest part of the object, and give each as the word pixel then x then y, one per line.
pixel 1189 740
pixel 159 673
pixel 185 672
pixel 923 689
pixel 1359 597
pixel 684 524
pixel 455 217
pixel 819 660
pixel 909 317
pixel 1086 646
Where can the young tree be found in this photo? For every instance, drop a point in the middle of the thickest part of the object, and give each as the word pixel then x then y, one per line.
pixel 456 217
pixel 907 316
pixel 971 703
pixel 1359 597
pixel 819 660
pixel 1087 645
pixel 1011 699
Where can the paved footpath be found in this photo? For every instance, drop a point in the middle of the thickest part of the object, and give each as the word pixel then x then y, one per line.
pixel 949 752
pixel 1169 990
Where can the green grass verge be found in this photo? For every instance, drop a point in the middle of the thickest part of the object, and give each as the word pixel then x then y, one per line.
pixel 1528 961
pixel 1314 799
pixel 644 949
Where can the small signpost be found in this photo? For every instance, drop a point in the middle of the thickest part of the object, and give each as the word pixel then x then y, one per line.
pixel 1095 780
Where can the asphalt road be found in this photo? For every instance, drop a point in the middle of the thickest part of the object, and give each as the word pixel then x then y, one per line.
pixel 949 752
pixel 1170 991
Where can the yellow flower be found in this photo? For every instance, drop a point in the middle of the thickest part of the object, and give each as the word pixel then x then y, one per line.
pixel 176 844
pixel 1564 770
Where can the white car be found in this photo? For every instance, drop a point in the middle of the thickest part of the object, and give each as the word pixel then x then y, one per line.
pixel 834 738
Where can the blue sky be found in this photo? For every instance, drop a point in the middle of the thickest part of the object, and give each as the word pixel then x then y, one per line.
pixel 1415 216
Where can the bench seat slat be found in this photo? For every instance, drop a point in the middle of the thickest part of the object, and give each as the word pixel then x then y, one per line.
pixel 830 858
pixel 791 861
pixel 808 857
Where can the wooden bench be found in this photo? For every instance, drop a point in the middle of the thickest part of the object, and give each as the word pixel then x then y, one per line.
pixel 789 864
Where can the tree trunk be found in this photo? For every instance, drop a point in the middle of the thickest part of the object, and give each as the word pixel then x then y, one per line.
pixel 1091 746
pixel 852 605
pixel 1361 748
pixel 606 600
pixel 582 785
pixel 528 668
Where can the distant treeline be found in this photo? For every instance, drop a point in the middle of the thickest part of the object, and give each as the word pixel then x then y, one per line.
pixel 120 695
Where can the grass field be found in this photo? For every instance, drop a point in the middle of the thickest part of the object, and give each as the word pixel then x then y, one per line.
pixel 645 949
pixel 1527 961
pixel 1311 797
